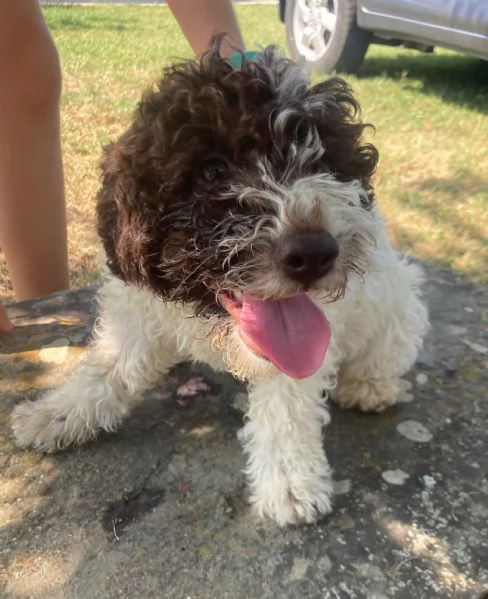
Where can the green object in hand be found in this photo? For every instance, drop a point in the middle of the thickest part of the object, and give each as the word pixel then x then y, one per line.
pixel 237 59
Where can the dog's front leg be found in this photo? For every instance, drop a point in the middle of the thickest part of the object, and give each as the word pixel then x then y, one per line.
pixel 129 355
pixel 288 471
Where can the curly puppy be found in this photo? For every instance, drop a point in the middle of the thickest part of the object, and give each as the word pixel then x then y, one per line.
pixel 238 218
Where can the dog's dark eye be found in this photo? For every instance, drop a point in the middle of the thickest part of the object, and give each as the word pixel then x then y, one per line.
pixel 213 170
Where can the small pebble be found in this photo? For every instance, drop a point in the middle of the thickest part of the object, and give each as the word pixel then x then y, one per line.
pixel 404 397
pixel 477 347
pixel 341 487
pixel 455 329
pixel 299 569
pixel 429 481
pixel 415 431
pixel 421 378
pixel 395 477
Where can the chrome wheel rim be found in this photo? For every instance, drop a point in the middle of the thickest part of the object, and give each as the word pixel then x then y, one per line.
pixel 314 27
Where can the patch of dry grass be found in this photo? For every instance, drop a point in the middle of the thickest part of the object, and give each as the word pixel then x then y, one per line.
pixel 430 114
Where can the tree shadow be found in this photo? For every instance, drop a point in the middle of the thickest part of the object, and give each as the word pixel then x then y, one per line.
pixel 160 505
pixel 455 78
pixel 446 230
pixel 154 500
pixel 74 19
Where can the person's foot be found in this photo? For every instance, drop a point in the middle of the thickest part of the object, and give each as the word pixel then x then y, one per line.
pixel 5 324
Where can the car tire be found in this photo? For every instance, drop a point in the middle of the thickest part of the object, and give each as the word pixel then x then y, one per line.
pixel 325 35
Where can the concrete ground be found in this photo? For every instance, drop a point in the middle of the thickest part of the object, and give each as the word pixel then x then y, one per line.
pixel 159 509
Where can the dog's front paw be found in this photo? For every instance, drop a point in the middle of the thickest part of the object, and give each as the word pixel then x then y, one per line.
pixel 367 394
pixel 290 501
pixel 43 427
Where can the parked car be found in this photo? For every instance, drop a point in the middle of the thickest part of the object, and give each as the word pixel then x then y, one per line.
pixel 334 35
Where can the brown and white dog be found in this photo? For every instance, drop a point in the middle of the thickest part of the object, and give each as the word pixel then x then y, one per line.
pixel 238 218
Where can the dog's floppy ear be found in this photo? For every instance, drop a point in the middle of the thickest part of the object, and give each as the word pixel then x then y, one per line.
pixel 337 115
pixel 147 176
pixel 129 205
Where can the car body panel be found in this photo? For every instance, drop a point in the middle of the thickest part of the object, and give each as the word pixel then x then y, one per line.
pixel 437 12
pixel 461 25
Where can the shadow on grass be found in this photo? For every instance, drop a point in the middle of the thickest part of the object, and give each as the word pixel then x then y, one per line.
pixel 72 19
pixel 452 190
pixel 450 222
pixel 456 79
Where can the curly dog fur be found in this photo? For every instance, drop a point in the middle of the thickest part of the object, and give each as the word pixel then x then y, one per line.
pixel 239 222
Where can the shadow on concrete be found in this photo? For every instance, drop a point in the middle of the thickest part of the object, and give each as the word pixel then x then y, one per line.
pixel 160 508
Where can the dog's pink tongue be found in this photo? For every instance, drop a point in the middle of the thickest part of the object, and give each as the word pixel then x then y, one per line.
pixel 293 333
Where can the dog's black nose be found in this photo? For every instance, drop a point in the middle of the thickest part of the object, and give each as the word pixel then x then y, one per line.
pixel 306 257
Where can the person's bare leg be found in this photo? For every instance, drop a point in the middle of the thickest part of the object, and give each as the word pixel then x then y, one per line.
pixel 200 20
pixel 32 205
pixel 5 324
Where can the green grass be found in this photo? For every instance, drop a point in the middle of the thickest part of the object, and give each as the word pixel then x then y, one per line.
pixel 430 114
